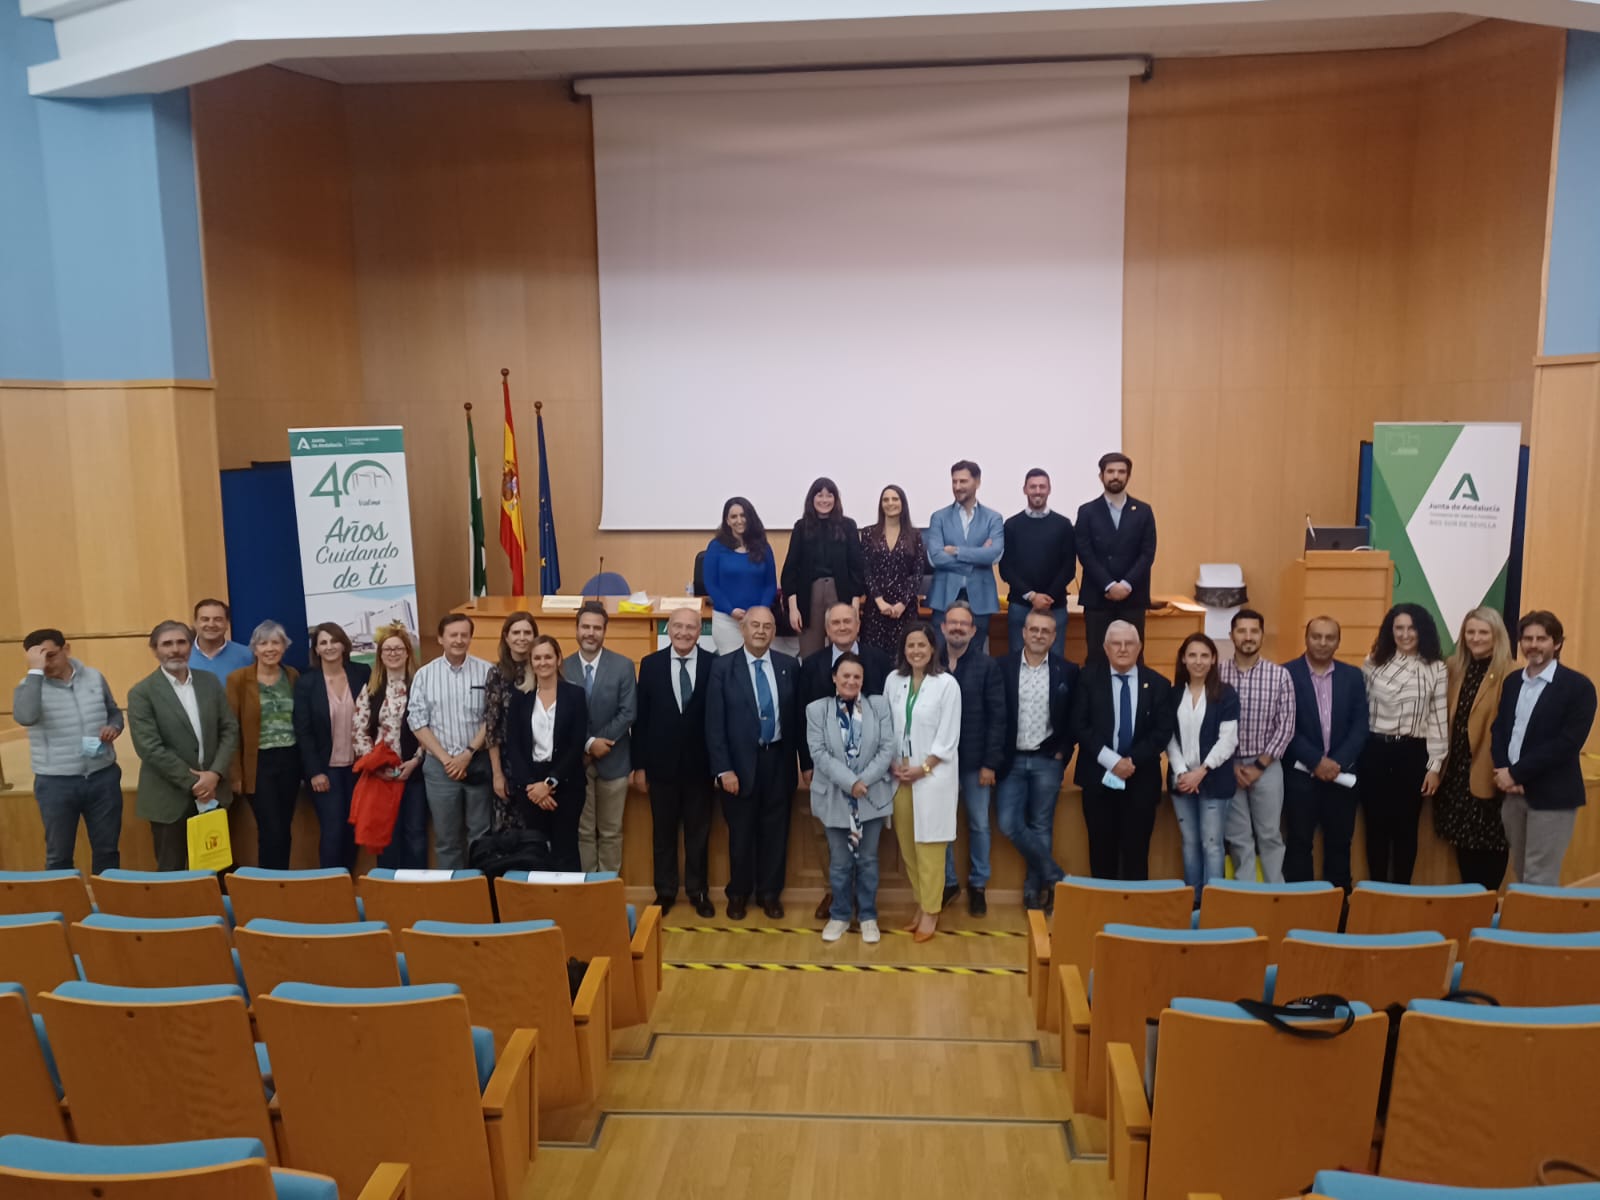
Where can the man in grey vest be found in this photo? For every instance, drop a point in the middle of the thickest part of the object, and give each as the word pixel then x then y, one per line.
pixel 72 720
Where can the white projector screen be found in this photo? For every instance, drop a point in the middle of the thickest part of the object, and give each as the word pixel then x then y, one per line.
pixel 863 277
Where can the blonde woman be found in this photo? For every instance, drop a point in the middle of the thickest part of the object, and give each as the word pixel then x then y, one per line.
pixel 381 717
pixel 1466 811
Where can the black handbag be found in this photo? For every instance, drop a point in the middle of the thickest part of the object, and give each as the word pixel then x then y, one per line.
pixel 512 850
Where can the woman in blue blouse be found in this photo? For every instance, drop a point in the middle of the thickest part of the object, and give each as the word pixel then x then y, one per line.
pixel 739 572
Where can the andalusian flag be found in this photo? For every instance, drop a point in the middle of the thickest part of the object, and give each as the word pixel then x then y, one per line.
pixel 479 569
pixel 511 539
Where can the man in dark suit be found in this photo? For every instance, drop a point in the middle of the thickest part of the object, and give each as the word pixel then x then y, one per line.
pixel 607 680
pixel 185 736
pixel 669 758
pixel 753 725
pixel 1546 712
pixel 1122 721
pixel 1116 541
pixel 1330 728
pixel 843 627
pixel 982 752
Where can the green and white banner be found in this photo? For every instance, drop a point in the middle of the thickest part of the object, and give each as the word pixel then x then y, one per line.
pixel 1443 497
pixel 353 514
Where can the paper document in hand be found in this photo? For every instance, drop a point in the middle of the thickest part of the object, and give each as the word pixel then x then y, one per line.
pixel 1344 779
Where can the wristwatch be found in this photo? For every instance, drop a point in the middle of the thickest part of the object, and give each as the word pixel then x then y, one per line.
pixel 550 782
pixel 1261 766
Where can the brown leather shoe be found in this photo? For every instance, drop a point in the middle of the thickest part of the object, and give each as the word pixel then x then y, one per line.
pixel 825 907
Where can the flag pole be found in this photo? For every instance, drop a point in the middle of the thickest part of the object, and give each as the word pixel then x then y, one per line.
pixel 538 548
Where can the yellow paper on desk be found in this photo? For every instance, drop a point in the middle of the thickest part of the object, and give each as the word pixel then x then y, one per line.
pixel 209 847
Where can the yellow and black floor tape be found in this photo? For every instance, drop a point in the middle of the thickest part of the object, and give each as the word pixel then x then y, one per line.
pixel 996 933
pixel 843 968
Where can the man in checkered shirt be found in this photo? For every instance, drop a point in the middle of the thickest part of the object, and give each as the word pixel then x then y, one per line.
pixel 1266 723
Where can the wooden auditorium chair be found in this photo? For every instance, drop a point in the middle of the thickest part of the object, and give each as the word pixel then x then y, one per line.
pixel 401 899
pixel 1348 1185
pixel 141 1065
pixel 34 951
pixel 1518 967
pixel 1540 909
pixel 1379 969
pixel 371 1075
pixel 1083 907
pixel 1482 1095
pixel 160 894
pixel 45 891
pixel 30 1098
pixel 355 954
pixel 1307 1103
pixel 1137 971
pixel 1271 909
pixel 306 896
pixel 597 922
pixel 34 1168
pixel 155 951
pixel 1452 909
pixel 514 976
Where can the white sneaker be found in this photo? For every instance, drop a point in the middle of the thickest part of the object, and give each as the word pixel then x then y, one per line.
pixel 834 930
pixel 869 932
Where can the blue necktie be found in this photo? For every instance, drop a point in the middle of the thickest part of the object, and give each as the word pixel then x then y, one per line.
pixel 685 685
pixel 588 679
pixel 769 719
pixel 1124 717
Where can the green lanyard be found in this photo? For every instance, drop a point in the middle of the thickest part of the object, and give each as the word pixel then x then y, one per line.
pixel 911 706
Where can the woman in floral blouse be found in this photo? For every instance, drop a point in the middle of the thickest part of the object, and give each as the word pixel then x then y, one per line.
pixel 381 717
pixel 895 564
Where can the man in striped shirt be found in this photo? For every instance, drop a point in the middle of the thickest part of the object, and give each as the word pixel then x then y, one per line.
pixel 1266 723
pixel 446 713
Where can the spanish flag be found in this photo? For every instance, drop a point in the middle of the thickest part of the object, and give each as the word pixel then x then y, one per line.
pixel 511 539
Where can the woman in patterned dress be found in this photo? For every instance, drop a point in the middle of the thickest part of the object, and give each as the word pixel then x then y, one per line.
pixel 1466 812
pixel 505 677
pixel 895 565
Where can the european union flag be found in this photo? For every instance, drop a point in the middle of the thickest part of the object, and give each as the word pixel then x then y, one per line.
pixel 549 559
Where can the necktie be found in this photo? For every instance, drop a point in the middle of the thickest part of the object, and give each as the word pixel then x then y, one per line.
pixel 1124 716
pixel 769 719
pixel 588 679
pixel 685 684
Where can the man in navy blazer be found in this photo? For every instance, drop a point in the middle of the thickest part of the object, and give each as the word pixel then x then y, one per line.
pixel 981 753
pixel 670 761
pixel 1119 769
pixel 964 542
pixel 1330 728
pixel 753 724
pixel 1546 713
pixel 1116 542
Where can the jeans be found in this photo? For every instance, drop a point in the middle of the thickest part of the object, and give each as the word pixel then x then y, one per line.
pixel 1255 820
pixel 408 845
pixel 97 798
pixel 1025 806
pixel 1200 823
pixel 455 803
pixel 853 878
pixel 975 800
pixel 1017 616
pixel 337 845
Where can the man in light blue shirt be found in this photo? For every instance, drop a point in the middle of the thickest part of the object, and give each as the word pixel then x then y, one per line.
pixel 212 650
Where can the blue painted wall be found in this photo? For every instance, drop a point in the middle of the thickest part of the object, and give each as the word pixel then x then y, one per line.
pixel 99 229
pixel 1572 303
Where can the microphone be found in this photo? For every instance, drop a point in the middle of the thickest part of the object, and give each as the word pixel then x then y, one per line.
pixel 598 582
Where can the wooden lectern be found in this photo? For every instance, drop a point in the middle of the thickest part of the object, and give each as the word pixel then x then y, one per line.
pixel 1354 587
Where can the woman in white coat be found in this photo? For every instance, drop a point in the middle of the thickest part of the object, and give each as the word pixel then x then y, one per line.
pixel 925 704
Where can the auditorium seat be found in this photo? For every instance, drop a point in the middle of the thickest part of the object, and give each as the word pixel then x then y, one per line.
pixel 514 976
pixel 1083 907
pixel 34 951
pixel 1349 1185
pixel 1483 1095
pixel 45 891
pixel 304 896
pixel 354 954
pixel 369 1075
pixel 30 1098
pixel 231 1168
pixel 1308 1103
pixel 1453 909
pixel 155 951
pixel 1379 969
pixel 1541 909
pixel 142 1064
pixel 1271 909
pixel 160 894
pixel 593 917
pixel 1137 971
pixel 424 896
pixel 1518 967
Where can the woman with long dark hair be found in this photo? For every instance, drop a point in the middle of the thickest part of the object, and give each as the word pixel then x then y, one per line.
pixel 894 563
pixel 1200 755
pixel 1408 707
pixel 324 726
pixel 824 565
pixel 547 724
pixel 739 572
pixel 505 677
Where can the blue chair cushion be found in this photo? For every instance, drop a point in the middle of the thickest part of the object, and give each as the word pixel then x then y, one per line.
pixel 1150 934
pixel 38 876
pixel 22 1153
pixel 598 876
pixel 36 918
pixel 1557 893
pixel 1126 885
pixel 1322 937
pixel 149 924
pixel 1232 1012
pixel 1555 1014
pixel 314 993
pixel 388 873
pixel 122 875
pixel 1344 1185
pixel 307 873
pixel 311 929
pixel 15 989
pixel 1416 889
pixel 105 993
pixel 49 1055
pixel 1553 941
pixel 633 920
pixel 467 929
pixel 483 1054
pixel 1255 887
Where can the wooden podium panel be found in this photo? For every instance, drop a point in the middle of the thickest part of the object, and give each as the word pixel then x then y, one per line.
pixel 630 634
pixel 1354 587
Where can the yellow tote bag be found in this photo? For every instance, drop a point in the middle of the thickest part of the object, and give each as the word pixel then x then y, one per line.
pixel 209 847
